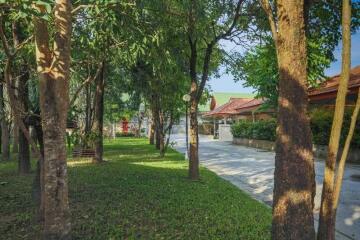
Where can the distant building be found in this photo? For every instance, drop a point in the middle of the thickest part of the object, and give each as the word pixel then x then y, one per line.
pixel 251 109
pixel 325 94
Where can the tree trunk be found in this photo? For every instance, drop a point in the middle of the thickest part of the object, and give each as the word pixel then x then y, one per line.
pixel 88 110
pixel 38 184
pixel 161 135
pixel 294 177
pixel 326 230
pixel 156 122
pixel 54 69
pixel 194 141
pixel 99 115
pixel 152 133
pixel 15 138
pixel 194 131
pixel 24 149
pixel 22 94
pixel 5 135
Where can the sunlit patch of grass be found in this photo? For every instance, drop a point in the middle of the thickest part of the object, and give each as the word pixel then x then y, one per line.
pixel 137 195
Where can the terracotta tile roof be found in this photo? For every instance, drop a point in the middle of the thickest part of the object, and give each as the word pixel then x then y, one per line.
pixel 249 105
pixel 330 86
pixel 229 107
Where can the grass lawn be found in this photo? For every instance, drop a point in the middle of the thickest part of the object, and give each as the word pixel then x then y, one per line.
pixel 137 195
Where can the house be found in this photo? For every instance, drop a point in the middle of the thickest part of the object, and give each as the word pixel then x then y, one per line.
pixel 325 94
pixel 235 109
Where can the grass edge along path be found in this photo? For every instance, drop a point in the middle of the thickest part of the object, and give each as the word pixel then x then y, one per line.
pixel 137 195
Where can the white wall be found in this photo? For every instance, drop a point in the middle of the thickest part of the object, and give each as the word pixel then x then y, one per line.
pixel 225 133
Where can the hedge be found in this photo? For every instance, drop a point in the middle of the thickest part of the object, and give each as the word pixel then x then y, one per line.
pixel 320 121
pixel 261 130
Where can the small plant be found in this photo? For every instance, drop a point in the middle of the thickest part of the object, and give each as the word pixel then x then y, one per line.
pixel 122 134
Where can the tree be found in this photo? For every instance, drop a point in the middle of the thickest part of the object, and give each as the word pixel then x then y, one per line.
pixel 23 99
pixel 330 193
pixel 294 177
pixel 258 68
pixel 53 70
pixel 223 20
pixel 5 131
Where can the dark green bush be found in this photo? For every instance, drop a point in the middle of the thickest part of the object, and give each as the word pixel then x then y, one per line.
pixel 321 122
pixel 121 134
pixel 262 130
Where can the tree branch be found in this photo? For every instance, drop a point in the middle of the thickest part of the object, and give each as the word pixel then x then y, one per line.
pixel 86 82
pixel 269 12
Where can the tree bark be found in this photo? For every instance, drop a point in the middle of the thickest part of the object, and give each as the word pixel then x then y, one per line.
pixel 23 99
pixel 99 115
pixel 15 138
pixel 152 132
pixel 326 230
pixel 88 115
pixel 54 70
pixel 24 149
pixel 161 134
pixel 194 138
pixel 194 95
pixel 5 135
pixel 294 177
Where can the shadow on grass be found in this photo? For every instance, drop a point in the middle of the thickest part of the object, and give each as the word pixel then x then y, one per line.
pixel 138 195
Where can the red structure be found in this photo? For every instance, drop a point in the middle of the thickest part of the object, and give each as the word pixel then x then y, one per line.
pixel 125 126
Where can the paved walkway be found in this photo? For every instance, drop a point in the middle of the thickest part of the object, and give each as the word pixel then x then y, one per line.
pixel 252 171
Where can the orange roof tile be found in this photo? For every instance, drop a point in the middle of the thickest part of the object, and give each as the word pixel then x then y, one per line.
pixel 330 86
pixel 229 107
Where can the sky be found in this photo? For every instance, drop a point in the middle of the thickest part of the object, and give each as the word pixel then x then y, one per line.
pixel 226 83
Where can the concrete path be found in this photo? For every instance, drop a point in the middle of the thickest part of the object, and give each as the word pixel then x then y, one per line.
pixel 252 171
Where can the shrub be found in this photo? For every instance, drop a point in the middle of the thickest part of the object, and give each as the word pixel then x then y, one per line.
pixel 121 134
pixel 320 122
pixel 262 130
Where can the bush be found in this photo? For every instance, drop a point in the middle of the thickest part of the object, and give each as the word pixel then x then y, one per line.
pixel 261 130
pixel 121 134
pixel 321 122
pixel 206 128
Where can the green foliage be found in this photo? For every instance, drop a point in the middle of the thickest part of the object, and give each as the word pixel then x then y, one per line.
pixel 137 195
pixel 121 134
pixel 261 130
pixel 258 66
pixel 321 122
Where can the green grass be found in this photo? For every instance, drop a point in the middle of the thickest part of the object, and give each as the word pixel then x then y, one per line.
pixel 137 195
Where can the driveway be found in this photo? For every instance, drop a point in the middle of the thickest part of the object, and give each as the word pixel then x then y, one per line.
pixel 252 171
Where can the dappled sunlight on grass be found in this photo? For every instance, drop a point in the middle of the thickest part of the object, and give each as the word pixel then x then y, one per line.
pixel 138 195
pixel 163 164
pixel 79 161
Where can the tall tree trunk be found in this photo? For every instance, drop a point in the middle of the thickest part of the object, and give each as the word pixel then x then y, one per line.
pixel 88 109
pixel 54 69
pixel 15 138
pixel 38 183
pixel 23 98
pixel 294 177
pixel 194 131
pixel 5 135
pixel 156 122
pixel 194 141
pixel 99 115
pixel 152 132
pixel 161 134
pixel 326 229
pixel 24 149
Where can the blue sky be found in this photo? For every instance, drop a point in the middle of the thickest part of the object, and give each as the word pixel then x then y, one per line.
pixel 226 83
